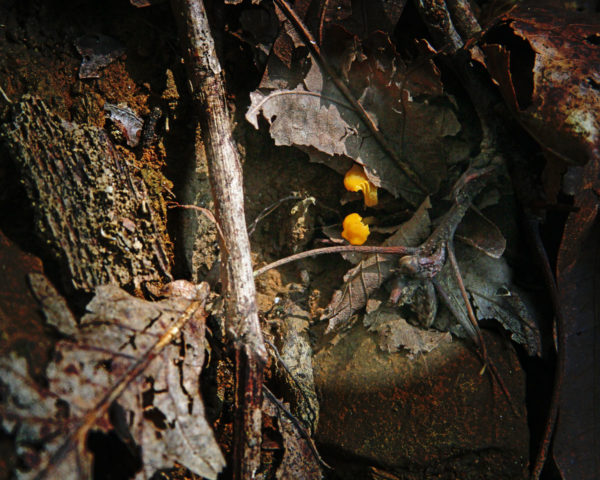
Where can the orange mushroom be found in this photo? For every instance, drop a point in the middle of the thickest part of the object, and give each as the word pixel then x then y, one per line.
pixel 355 231
pixel 356 180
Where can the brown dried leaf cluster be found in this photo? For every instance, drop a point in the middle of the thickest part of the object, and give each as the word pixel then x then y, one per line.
pixel 119 350
pixel 305 109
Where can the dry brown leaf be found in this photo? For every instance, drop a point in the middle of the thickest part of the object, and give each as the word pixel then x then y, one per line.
pixel 547 64
pixel 119 338
pixel 395 333
pixel 305 109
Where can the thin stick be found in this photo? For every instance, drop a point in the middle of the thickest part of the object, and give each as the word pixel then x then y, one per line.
pixel 204 211
pixel 532 228
pixel 270 209
pixel 303 431
pixel 480 341
pixel 206 80
pixel 314 49
pixel 394 250
pixel 463 291
pixel 5 96
pixel 299 386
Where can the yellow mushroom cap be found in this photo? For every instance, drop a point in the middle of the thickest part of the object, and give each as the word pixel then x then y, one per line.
pixel 355 231
pixel 356 180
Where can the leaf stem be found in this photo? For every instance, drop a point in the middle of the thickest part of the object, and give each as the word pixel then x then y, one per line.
pixel 393 250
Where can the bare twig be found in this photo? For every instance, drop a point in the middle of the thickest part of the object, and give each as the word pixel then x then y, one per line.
pixel 297 383
pixel 314 49
pixel 478 338
pixel 395 250
pixel 5 96
pixel 463 291
pixel 208 92
pixel 303 431
pixel 532 228
pixel 270 209
pixel 204 211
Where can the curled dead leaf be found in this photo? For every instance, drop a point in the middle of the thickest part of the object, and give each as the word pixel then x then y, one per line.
pixel 547 64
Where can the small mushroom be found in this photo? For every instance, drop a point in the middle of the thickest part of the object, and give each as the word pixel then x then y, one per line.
pixel 355 231
pixel 356 180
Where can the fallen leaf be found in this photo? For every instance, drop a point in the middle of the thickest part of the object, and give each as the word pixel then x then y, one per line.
pixel 305 109
pixel 146 356
pixel 577 435
pixel 395 333
pixel 547 64
pixel 480 232
pixel 493 295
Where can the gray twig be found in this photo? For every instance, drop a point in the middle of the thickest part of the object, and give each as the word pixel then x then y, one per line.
pixel 208 93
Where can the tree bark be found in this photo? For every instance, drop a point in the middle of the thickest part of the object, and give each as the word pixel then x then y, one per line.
pixel 93 215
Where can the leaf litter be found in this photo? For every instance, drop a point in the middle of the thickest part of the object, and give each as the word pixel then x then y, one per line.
pixel 147 356
pixel 486 276
pixel 366 277
pixel 306 108
pixel 308 111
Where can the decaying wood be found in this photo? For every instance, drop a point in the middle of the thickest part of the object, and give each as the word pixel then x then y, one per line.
pixel 206 80
pixel 92 214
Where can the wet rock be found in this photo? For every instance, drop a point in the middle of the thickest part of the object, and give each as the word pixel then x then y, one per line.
pixel 432 414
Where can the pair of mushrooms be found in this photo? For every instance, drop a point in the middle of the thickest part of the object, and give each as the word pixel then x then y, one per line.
pixel 354 229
